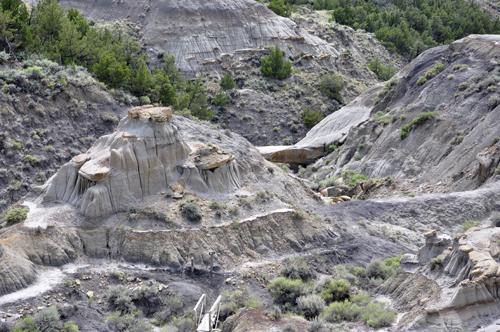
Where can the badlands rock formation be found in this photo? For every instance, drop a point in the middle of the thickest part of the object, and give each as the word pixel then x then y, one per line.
pixel 457 289
pixel 206 36
pixel 141 158
pixel 447 146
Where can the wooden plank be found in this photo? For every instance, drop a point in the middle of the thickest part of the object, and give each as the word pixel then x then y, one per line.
pixel 203 327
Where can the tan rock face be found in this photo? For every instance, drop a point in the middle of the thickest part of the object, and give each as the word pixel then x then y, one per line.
pixel 79 160
pixel 290 154
pixel 157 114
pixel 95 170
pixel 207 157
pixel 430 233
pixel 465 248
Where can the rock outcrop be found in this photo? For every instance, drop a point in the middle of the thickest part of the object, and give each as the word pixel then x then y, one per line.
pixel 141 158
pixel 431 131
pixel 462 284
pixel 16 271
pixel 205 35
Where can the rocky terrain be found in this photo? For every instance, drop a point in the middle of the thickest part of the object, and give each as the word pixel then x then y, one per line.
pixel 49 113
pixel 232 38
pixel 387 130
pixel 118 217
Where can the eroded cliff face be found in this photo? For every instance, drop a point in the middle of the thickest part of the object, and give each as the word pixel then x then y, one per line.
pixel 215 36
pixel 456 282
pixel 437 126
pixel 142 157
pixel 80 210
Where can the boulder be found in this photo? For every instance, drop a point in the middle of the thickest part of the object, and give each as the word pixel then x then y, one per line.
pixel 430 233
pixel 290 154
pixel 337 191
pixel 465 248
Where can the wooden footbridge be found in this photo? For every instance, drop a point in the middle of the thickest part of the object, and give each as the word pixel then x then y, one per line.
pixel 207 321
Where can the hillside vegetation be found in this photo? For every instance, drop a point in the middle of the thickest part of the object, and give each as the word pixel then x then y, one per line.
pixel 406 27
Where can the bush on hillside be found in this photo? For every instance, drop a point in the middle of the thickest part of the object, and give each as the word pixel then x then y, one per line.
pixel 227 82
pixel 192 211
pixel 331 85
pixel 310 118
pixel 15 215
pixel 274 65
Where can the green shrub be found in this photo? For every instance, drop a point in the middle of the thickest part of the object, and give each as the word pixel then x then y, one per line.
pixel 17 145
pixel 25 325
pixel 462 86
pixel 227 82
pixel 109 119
pixel 310 118
pixel 393 261
pixel 495 140
pixel 241 298
pixel 421 80
pixel 192 211
pixel 335 290
pixel 127 323
pixel 469 224
pixel 310 305
pixel 48 320
pixel 436 262
pixel 383 120
pixel 144 100
pixel 15 215
pixel 460 139
pixel 203 114
pixel 221 99
pixel 234 210
pixel 331 148
pixel 289 328
pixel 383 72
pixel 120 298
pixel 296 268
pixel 275 314
pixel 460 67
pixel 28 159
pixel 217 206
pixel 439 67
pixel 389 85
pixel 70 327
pixel 340 311
pixel 274 65
pixel 279 7
pixel 378 315
pixel 286 290
pixel 451 76
pixel 356 178
pixel 317 325
pixel 358 157
pixel 377 269
pixel 331 85
pixel 419 119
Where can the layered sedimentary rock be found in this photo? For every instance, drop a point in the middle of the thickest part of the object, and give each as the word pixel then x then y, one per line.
pixel 142 157
pixel 204 35
pixel 16 271
pixel 455 145
pixel 461 283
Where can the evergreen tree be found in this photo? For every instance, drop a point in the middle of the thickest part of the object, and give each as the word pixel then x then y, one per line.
pixel 274 65
pixel 227 82
pixel 279 7
pixel 331 85
pixel 141 81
